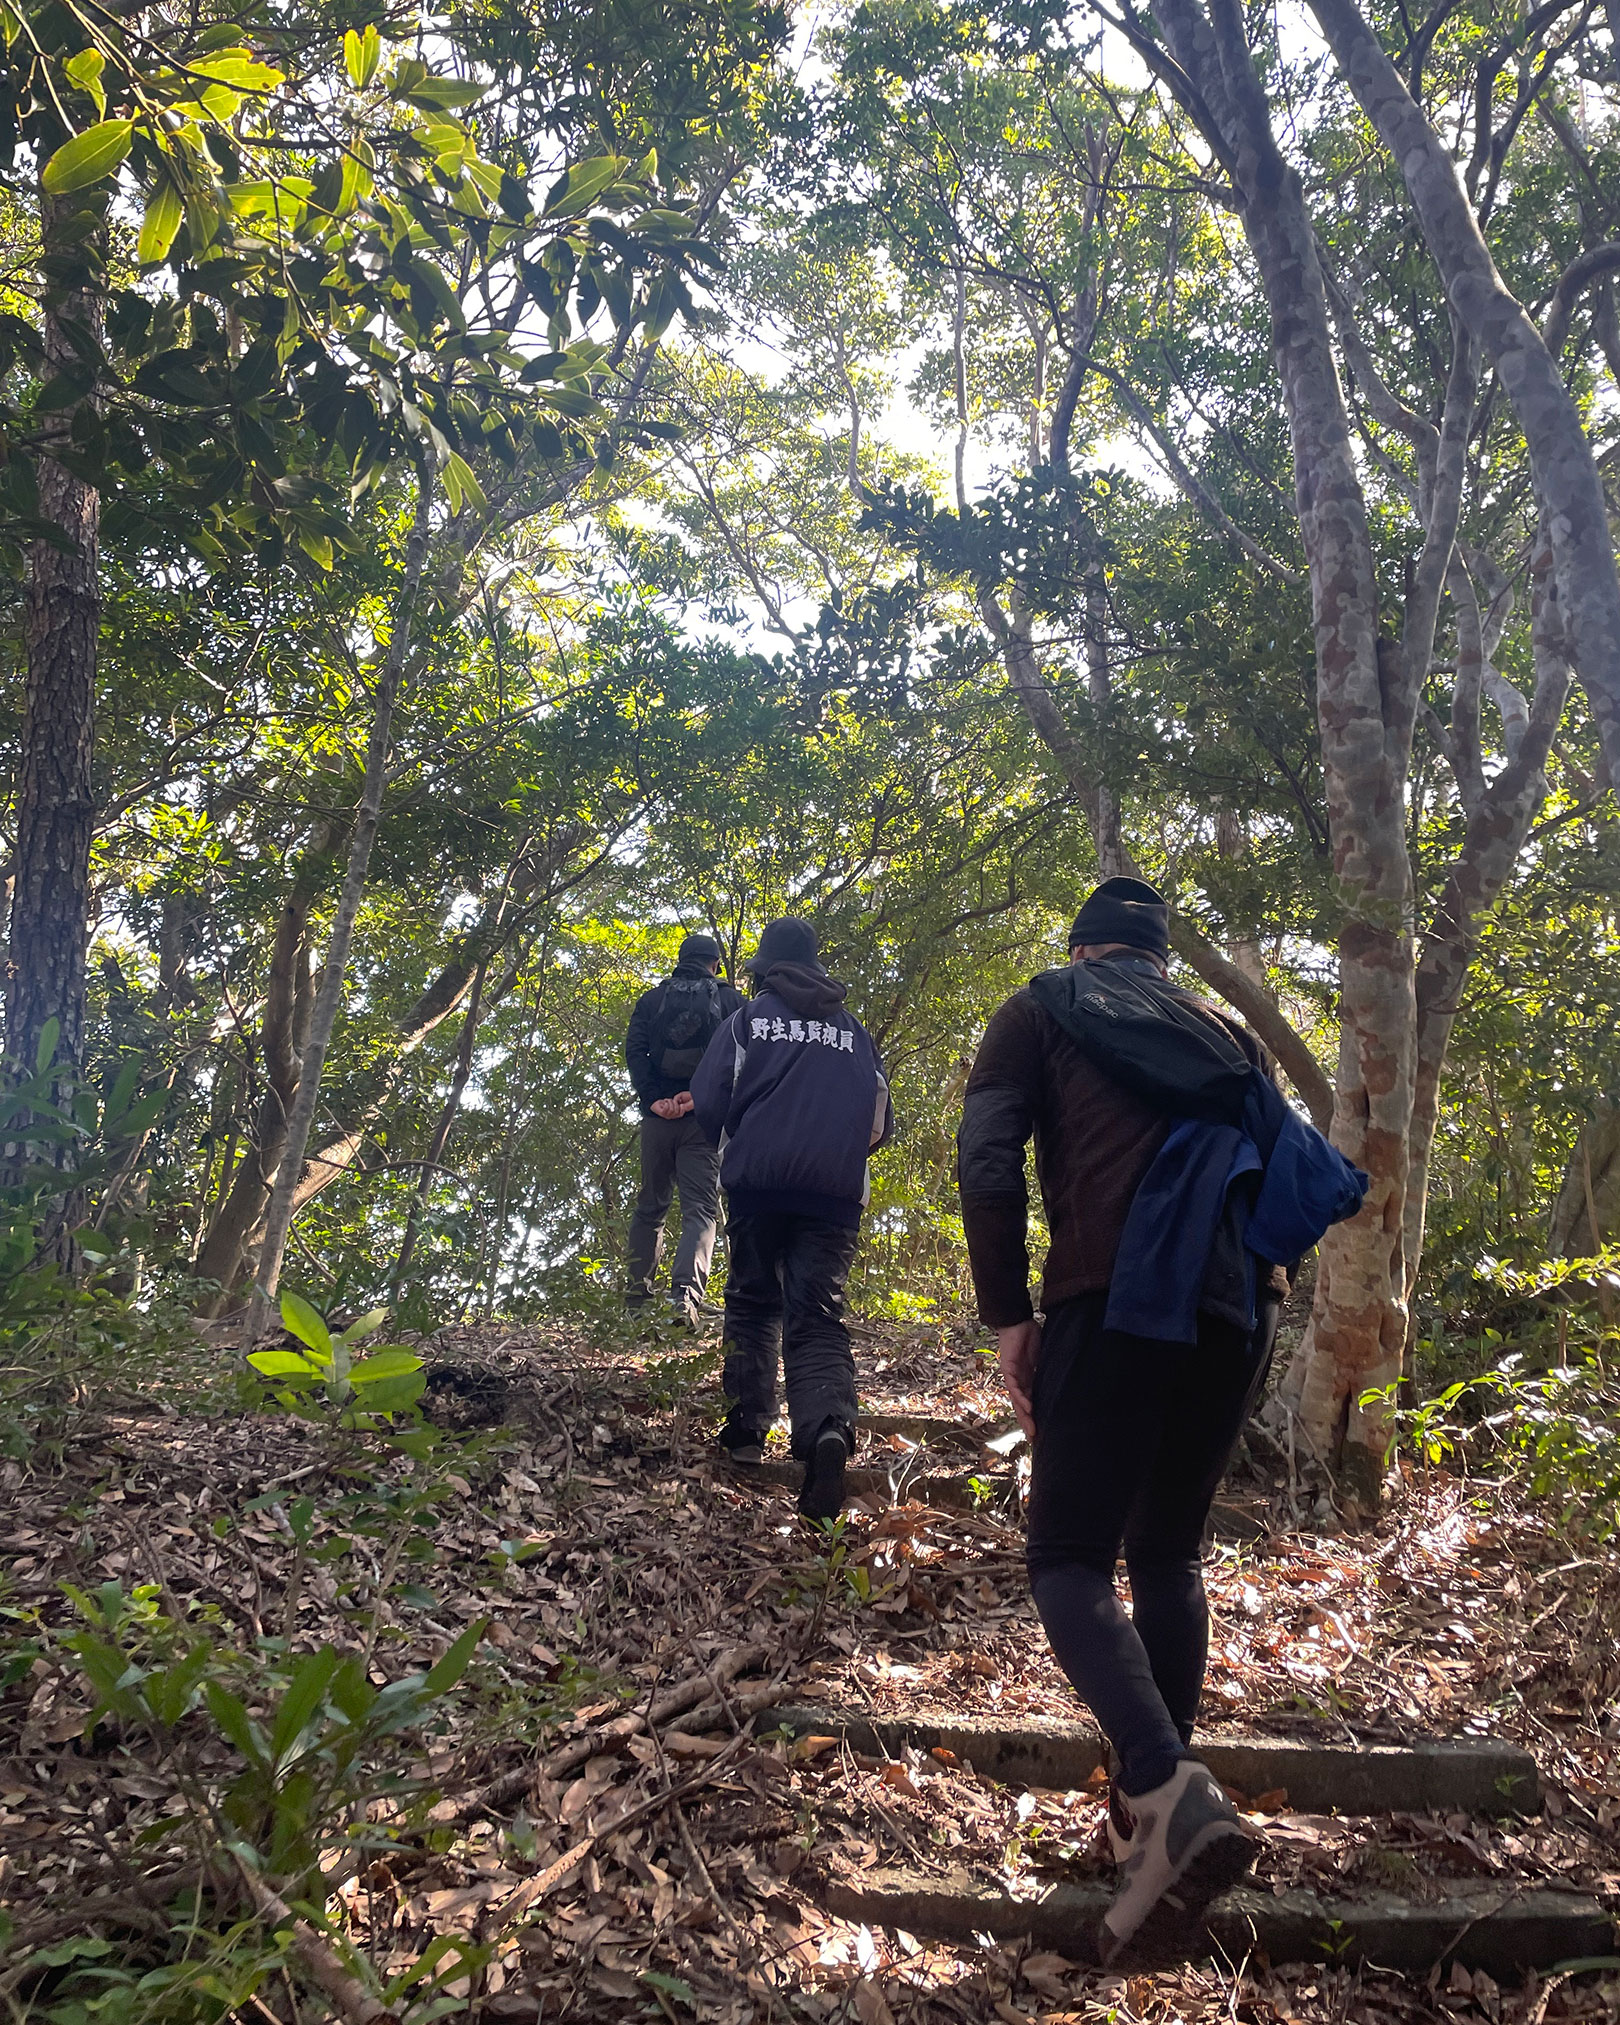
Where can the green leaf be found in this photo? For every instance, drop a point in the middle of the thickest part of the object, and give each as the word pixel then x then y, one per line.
pixel 240 69
pixel 45 1053
pixel 60 1953
pixel 317 546
pixel 573 192
pixel 395 1394
pixel 301 1320
pixel 284 1364
pixel 365 1325
pixel 85 70
pixel 164 211
pixel 440 94
pixel 170 1693
pixel 305 1693
pixel 235 1724
pixel 444 1673
pixel 89 157
pixel 461 485
pixel 672 1986
pixel 392 1361
pixel 361 55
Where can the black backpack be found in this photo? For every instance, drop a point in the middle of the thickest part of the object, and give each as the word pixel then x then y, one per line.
pixel 683 1025
pixel 1143 1033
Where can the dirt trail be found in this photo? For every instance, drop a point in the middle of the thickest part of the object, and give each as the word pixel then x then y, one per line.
pixel 677 1867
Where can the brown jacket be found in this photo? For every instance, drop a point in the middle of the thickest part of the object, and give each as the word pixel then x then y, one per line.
pixel 1094 1142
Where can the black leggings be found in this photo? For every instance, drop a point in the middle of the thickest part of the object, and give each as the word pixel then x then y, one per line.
pixel 1132 1440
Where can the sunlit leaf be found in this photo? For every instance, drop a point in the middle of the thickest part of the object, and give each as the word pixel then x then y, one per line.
pixel 89 157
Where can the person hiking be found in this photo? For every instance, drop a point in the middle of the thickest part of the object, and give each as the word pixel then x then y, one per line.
pixel 1178 1185
pixel 669 1029
pixel 793 1091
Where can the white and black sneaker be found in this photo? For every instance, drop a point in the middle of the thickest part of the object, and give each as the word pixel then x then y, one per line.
pixel 822 1494
pixel 1187 1845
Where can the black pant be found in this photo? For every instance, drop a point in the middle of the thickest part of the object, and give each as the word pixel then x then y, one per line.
pixel 1132 1440
pixel 785 1288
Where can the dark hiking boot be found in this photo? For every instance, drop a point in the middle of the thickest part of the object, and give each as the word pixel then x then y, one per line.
pixel 822 1494
pixel 741 1445
pixel 1187 1845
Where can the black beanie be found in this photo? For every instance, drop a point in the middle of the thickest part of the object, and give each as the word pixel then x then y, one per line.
pixel 699 949
pixel 785 941
pixel 1128 911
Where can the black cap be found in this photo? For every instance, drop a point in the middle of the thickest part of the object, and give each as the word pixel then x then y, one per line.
pixel 1125 910
pixel 786 941
pixel 699 949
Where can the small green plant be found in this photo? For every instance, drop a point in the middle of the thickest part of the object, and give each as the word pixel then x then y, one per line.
pixel 326 1380
pixel 310 1732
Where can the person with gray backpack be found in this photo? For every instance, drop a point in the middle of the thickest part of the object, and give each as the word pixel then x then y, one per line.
pixel 670 1028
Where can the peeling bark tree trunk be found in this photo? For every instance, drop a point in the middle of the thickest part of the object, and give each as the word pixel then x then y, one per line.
pixel 368 819
pixel 55 805
pixel 1587 1213
pixel 1359 1323
pixel 1568 484
pixel 1499 822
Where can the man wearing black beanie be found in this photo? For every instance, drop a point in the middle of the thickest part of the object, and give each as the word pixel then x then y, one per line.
pixel 669 1029
pixel 1131 1435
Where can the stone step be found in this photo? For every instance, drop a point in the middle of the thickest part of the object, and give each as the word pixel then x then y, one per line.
pixel 1504 1930
pixel 989 1488
pixel 1467 1775
pixel 949 1493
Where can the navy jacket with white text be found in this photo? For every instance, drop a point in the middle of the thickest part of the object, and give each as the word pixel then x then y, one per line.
pixel 792 1091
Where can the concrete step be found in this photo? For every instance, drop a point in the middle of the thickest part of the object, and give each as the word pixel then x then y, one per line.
pixel 992 1487
pixel 1468 1775
pixel 1504 1930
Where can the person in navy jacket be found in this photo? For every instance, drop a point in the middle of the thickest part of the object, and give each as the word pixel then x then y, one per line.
pixel 792 1091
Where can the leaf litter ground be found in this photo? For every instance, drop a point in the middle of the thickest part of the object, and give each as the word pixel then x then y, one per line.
pixel 608 1867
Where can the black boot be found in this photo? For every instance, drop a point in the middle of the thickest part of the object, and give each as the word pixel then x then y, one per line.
pixel 740 1444
pixel 822 1494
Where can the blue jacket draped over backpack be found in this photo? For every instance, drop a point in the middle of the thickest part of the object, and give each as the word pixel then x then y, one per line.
pixel 1295 1184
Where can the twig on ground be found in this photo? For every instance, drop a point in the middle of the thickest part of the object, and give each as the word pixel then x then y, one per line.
pixel 342 1989
pixel 569 1757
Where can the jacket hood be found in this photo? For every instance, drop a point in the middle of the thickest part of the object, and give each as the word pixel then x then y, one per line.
pixel 690 968
pixel 804 988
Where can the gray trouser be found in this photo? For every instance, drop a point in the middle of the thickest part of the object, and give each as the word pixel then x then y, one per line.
pixel 674 1154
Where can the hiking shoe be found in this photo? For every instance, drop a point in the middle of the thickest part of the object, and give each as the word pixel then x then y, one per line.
pixel 822 1494
pixel 1120 1825
pixel 1187 1845
pixel 684 1311
pixel 740 1444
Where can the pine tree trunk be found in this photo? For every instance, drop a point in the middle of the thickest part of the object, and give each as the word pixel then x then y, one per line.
pixel 55 800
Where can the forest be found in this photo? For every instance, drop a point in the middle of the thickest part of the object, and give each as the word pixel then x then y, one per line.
pixel 485 493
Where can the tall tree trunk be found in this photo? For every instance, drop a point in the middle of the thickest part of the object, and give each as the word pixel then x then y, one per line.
pixel 1568 484
pixel 368 819
pixel 1365 697
pixel 61 620
pixel 1498 825
pixel 242 1204
pixel 1587 1212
